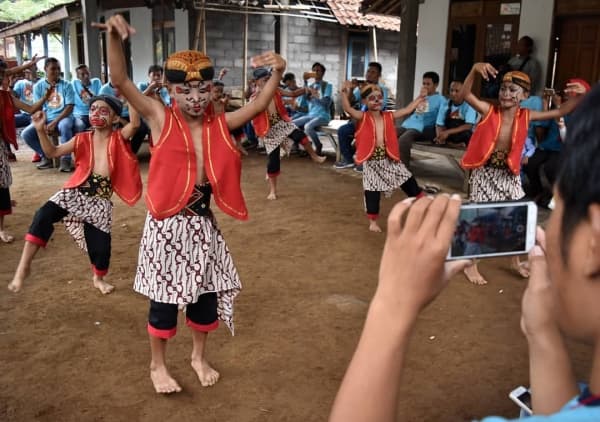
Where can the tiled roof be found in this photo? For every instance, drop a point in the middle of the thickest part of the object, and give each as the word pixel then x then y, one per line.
pixel 346 12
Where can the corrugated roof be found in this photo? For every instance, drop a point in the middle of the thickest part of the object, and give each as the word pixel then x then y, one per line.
pixel 347 13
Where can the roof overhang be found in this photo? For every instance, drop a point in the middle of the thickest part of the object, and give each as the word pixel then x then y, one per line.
pixel 45 19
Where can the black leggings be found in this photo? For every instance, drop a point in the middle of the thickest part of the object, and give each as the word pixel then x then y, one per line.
pixel 274 163
pixel 97 241
pixel 372 198
pixel 200 316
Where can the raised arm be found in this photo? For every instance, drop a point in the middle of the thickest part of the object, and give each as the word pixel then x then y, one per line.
pixel 243 115
pixel 352 112
pixel 411 274
pixel 486 71
pixel 565 108
pixel 117 30
pixel 26 65
pixel 50 150
pixel 132 126
pixel 405 111
pixel 32 108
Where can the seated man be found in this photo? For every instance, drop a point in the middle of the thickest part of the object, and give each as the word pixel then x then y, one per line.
pixel 346 132
pixel 319 95
pixel 85 88
pixel 23 90
pixel 293 97
pixel 58 109
pixel 154 87
pixel 455 119
pixel 420 126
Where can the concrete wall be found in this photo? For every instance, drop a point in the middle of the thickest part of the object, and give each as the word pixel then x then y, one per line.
pixel 536 21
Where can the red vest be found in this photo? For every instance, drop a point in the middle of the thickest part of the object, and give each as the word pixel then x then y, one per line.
pixel 261 121
pixel 484 139
pixel 7 117
pixel 172 172
pixel 366 137
pixel 122 163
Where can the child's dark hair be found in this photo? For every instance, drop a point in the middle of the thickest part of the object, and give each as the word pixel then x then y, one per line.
pixel 318 64
pixel 81 66
pixel 368 89
pixel 218 82
pixel 289 77
pixel 578 180
pixel 155 68
pixel 435 78
pixel 376 65
pixel 49 61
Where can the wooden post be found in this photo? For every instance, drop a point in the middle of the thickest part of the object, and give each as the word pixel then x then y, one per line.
pixel 245 66
pixel 407 52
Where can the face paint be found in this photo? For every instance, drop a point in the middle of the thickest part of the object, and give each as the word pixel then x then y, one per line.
pixel 99 115
pixel 510 92
pixel 193 97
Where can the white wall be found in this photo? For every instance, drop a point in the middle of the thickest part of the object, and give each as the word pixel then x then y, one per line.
pixel 182 33
pixel 536 21
pixel 142 56
pixel 431 40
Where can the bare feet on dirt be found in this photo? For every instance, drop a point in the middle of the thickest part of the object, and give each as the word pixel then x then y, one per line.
pixel 207 375
pixel 474 276
pixel 104 287
pixel 6 237
pixel 374 227
pixel 162 381
pixel 17 282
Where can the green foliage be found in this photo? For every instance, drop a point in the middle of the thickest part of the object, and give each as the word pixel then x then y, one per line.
pixel 20 10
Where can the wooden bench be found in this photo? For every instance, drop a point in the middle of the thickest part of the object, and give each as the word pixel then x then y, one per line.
pixel 330 132
pixel 453 155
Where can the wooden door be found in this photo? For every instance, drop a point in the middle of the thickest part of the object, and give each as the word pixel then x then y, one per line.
pixel 578 42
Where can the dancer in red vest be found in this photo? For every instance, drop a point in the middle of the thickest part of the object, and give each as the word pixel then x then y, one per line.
pixel 277 131
pixel 377 148
pixel 183 260
pixel 8 136
pixel 104 163
pixel 494 151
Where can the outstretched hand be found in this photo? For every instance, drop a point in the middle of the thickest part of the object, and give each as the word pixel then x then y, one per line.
pixel 33 60
pixel 269 59
pixel 39 120
pixel 486 70
pixel 116 24
pixel 413 270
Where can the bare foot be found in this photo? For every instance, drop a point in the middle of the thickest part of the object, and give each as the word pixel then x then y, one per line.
pixel 521 268
pixel 103 286
pixel 206 374
pixel 473 275
pixel 5 237
pixel 163 382
pixel 272 196
pixel 374 227
pixel 319 159
pixel 17 281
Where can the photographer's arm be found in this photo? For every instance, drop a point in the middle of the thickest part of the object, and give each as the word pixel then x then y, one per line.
pixel 411 274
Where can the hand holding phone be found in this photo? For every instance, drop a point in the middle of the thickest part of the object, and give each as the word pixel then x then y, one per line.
pixel 522 397
pixel 494 229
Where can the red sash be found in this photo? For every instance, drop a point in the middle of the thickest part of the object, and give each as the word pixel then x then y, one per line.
pixel 172 172
pixel 366 137
pixel 122 163
pixel 484 139
pixel 7 116
pixel 261 121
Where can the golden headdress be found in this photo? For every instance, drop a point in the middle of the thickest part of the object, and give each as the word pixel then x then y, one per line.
pixel 188 65
pixel 518 78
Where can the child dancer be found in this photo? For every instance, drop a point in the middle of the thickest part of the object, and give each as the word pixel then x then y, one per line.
pixel 184 260
pixel 277 131
pixel 8 136
pixel 104 162
pixel 494 152
pixel 377 148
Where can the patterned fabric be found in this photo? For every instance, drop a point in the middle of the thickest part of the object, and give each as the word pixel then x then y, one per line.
pixel 97 185
pixel 199 202
pixel 94 210
pixel 382 174
pixel 278 136
pixel 5 173
pixel 183 257
pixel 489 184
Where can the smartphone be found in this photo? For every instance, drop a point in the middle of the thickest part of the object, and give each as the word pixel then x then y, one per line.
pixel 486 230
pixel 522 397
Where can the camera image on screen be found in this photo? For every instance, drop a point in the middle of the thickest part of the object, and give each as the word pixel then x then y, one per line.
pixel 490 231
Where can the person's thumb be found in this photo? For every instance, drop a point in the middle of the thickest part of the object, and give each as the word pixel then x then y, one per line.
pixel 538 267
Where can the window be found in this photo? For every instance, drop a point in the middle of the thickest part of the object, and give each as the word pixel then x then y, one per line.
pixel 358 56
pixel 163 32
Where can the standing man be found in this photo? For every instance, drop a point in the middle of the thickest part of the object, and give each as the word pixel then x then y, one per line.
pixel 346 132
pixel 85 88
pixel 58 109
pixel 319 95
pixel 420 126
pixel 526 63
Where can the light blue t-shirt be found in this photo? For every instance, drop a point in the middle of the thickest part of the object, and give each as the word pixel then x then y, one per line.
pixel 571 412
pixel 24 90
pixel 164 92
pixel 319 107
pixel 533 103
pixel 82 96
pixel 108 89
pixel 425 116
pixel 62 96
pixel 552 140
pixel 462 111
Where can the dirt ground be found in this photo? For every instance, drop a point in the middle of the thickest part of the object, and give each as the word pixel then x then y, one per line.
pixel 308 266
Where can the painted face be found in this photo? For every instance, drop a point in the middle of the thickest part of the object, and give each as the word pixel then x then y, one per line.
pixel 429 86
pixel 372 75
pixel 454 90
pixel 101 115
pixel 83 75
pixel 374 100
pixel 192 97
pixel 510 94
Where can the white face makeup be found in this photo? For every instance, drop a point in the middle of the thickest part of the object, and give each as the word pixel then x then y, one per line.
pixel 101 115
pixel 192 97
pixel 510 94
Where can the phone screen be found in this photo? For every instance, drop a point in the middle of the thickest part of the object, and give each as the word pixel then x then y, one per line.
pixel 525 398
pixel 484 230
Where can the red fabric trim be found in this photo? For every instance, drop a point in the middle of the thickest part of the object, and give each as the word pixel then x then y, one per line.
pixel 7 116
pixel 99 272
pixel 304 141
pixel 164 334
pixel 205 328
pixel 372 216
pixel 35 240
pixel 420 195
pixel 366 137
pixel 6 212
pixel 273 175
